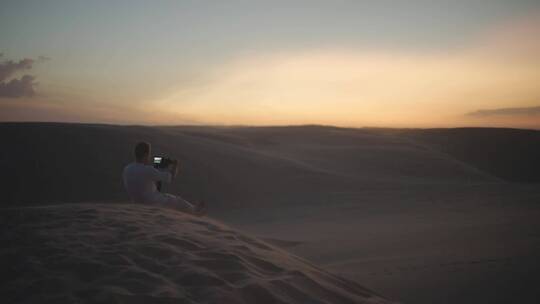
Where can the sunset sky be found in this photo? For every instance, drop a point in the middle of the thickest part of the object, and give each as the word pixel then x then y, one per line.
pixel 346 63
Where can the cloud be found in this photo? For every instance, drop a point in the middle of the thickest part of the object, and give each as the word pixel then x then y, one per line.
pixel 8 68
pixel 506 112
pixel 43 58
pixel 16 87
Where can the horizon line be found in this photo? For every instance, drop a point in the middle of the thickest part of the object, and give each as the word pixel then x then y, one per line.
pixel 257 126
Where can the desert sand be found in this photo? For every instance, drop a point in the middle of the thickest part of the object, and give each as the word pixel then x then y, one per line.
pixel 126 253
pixel 419 216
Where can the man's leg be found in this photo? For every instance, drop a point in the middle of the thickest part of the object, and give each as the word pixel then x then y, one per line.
pixel 180 204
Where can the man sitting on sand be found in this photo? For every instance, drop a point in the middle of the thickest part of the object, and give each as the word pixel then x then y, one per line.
pixel 140 179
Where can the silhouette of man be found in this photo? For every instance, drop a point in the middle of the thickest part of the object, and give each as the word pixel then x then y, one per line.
pixel 140 179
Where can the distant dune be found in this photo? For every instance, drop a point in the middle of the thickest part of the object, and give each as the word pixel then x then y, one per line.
pixel 102 253
pixel 235 166
pixel 511 154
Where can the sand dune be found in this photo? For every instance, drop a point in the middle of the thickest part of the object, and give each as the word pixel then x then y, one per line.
pixel 125 253
pixel 507 153
pixel 414 214
pixel 237 166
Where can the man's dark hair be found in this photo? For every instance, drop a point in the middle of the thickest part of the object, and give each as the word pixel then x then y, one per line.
pixel 141 150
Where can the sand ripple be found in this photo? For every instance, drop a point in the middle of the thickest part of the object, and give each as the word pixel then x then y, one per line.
pixel 99 253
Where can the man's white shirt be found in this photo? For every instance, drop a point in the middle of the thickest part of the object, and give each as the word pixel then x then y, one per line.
pixel 140 181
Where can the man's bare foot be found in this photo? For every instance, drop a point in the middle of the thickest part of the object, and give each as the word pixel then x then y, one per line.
pixel 200 209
